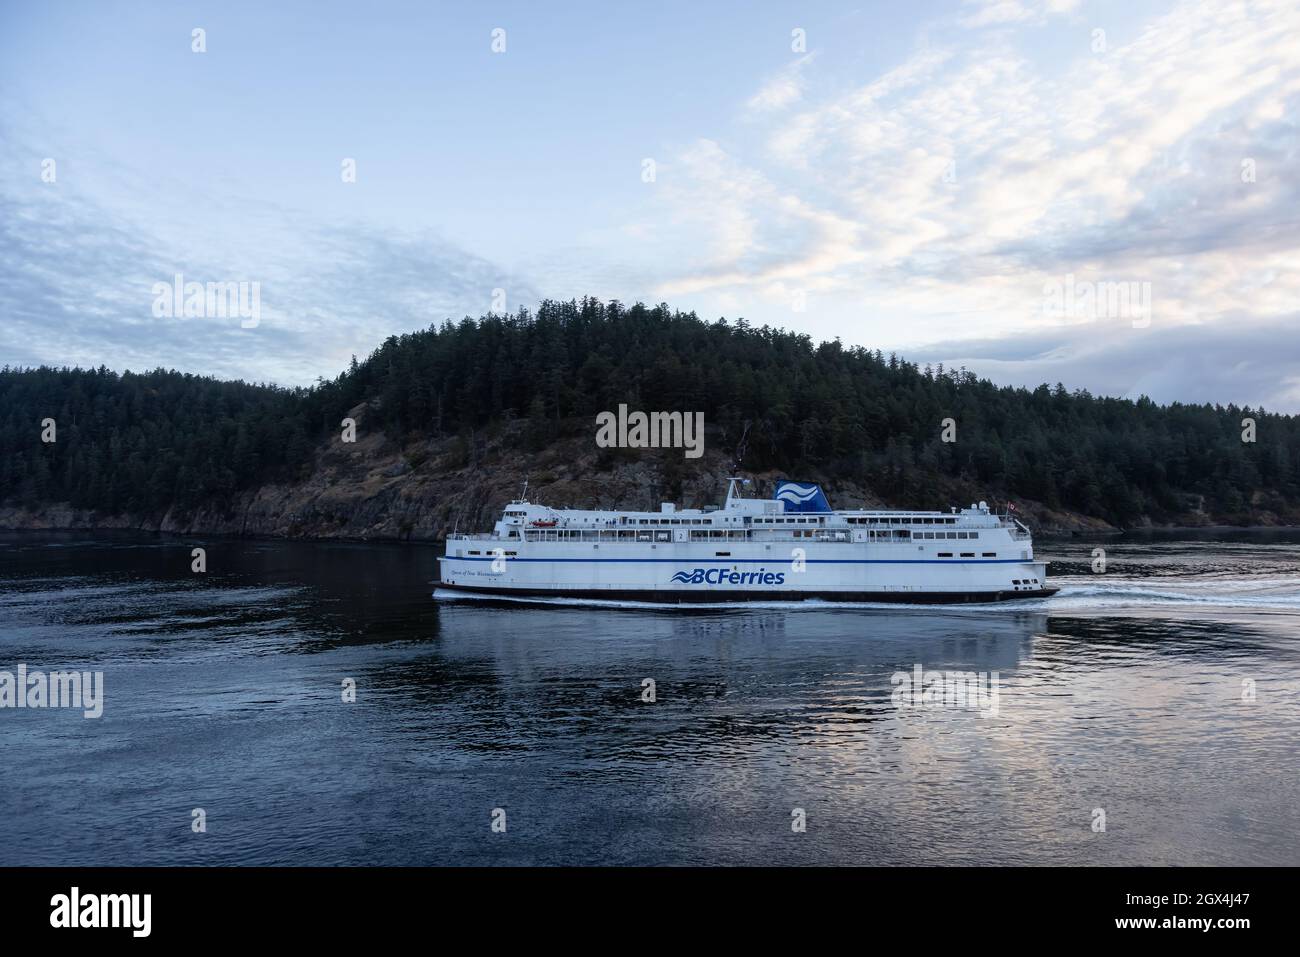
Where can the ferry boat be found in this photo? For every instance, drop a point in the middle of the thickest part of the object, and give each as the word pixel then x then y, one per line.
pixel 790 547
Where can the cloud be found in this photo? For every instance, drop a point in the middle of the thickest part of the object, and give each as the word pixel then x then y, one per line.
pixel 755 233
pixel 1002 12
pixel 76 287
pixel 1246 362
pixel 943 194
pixel 782 89
pixel 931 200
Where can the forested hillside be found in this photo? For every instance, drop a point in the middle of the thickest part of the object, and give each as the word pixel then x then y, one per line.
pixel 773 400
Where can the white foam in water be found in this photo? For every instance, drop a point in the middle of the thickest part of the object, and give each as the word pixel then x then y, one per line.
pixel 1082 593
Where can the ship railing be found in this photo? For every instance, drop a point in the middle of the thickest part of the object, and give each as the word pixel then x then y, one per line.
pixel 602 536
pixel 1019 532
pixel 713 536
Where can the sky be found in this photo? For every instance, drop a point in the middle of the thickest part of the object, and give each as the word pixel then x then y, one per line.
pixel 1099 194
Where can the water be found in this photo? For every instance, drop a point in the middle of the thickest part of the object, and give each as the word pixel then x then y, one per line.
pixel 223 692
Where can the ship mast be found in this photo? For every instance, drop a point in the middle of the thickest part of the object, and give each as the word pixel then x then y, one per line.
pixel 731 487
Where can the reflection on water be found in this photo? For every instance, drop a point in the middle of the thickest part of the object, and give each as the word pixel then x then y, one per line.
pixel 1125 692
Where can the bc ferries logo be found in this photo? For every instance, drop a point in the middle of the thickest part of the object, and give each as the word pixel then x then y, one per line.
pixel 801 498
pixel 723 576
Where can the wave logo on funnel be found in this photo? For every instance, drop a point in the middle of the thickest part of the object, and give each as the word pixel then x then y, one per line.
pixel 801 497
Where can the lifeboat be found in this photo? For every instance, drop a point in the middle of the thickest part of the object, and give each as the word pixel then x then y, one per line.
pixel 545 523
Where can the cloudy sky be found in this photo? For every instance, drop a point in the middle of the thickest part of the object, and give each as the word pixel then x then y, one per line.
pixel 1102 194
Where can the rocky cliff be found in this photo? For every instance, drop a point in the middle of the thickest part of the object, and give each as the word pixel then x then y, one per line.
pixel 376 488
pixel 379 489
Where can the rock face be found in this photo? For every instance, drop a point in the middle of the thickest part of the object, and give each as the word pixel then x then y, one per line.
pixel 376 489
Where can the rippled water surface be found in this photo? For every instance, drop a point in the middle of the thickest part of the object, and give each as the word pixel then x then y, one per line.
pixel 1129 692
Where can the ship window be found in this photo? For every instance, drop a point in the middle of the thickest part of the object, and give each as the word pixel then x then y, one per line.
pixel 990 554
pixel 722 554
pixel 945 554
pixel 967 554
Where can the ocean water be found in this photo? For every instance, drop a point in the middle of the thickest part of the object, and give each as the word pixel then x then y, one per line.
pixel 1161 698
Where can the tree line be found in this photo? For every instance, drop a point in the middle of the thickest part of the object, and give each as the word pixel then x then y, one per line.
pixel 143 442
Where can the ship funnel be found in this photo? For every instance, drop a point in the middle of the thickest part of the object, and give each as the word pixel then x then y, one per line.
pixel 801 497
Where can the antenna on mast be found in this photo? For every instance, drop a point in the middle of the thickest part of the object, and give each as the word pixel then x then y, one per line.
pixel 731 486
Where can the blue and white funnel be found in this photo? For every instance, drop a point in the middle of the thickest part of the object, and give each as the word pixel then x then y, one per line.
pixel 801 497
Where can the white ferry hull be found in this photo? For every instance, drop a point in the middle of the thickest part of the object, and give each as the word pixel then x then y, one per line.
pixel 789 548
pixel 672 574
